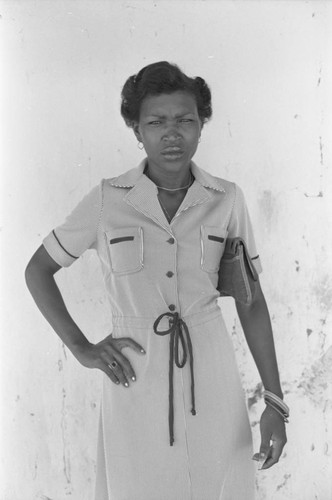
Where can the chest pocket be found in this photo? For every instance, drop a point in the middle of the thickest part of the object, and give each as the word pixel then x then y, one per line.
pixel 125 249
pixel 213 241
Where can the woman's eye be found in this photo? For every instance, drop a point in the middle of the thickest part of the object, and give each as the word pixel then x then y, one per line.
pixel 155 123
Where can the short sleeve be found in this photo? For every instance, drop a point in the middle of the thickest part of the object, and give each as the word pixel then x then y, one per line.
pixel 240 226
pixel 78 233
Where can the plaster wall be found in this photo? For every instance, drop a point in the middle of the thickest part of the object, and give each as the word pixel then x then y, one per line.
pixel 63 66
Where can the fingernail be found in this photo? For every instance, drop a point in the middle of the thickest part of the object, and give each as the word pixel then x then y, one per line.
pixel 126 384
pixel 133 378
pixel 261 456
pixel 142 351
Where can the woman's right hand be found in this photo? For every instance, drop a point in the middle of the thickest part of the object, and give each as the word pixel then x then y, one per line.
pixel 107 356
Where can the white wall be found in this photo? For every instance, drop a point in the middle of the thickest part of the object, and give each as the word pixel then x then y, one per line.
pixel 63 66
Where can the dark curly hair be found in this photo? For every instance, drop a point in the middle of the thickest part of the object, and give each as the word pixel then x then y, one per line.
pixel 162 78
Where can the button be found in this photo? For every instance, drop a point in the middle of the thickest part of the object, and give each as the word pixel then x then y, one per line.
pixel 171 307
pixel 171 241
pixel 169 274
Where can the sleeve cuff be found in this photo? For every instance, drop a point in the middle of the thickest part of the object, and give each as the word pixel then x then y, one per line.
pixel 257 264
pixel 57 252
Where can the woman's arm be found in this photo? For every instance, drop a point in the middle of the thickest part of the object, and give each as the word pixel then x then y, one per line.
pixel 39 276
pixel 256 324
pixel 40 280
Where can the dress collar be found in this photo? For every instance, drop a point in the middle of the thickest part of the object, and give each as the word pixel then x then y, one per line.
pixel 130 178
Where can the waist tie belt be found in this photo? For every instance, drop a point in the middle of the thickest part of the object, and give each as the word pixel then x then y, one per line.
pixel 179 333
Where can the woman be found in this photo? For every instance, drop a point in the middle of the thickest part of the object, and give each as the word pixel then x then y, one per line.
pixel 174 424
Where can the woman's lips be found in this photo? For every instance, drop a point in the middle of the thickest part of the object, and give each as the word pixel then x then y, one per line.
pixel 172 152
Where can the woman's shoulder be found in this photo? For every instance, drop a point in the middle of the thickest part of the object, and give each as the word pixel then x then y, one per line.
pixel 125 179
pixel 215 182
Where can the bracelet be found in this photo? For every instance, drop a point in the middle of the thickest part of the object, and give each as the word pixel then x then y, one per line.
pixel 281 413
pixel 277 404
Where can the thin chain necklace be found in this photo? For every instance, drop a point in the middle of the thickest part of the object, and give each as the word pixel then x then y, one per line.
pixel 168 217
pixel 192 178
pixel 180 188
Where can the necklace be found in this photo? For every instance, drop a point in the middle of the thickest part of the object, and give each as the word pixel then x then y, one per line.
pixel 168 217
pixel 192 178
pixel 180 188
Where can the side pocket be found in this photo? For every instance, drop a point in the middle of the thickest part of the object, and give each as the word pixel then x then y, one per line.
pixel 125 249
pixel 213 241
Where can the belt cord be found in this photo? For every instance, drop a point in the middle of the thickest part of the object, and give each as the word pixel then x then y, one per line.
pixel 177 327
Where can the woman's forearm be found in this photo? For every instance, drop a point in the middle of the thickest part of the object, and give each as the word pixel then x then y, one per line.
pixel 256 324
pixel 48 298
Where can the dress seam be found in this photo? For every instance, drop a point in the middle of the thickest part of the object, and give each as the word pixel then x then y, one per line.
pixel 234 198
pixel 207 311
pixel 186 438
pixel 143 327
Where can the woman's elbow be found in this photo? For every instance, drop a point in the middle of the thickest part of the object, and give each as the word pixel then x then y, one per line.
pixel 257 303
pixel 31 273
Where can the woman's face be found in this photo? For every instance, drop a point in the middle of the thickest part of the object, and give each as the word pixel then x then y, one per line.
pixel 169 127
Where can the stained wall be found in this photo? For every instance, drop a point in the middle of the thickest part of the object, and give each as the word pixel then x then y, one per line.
pixel 63 66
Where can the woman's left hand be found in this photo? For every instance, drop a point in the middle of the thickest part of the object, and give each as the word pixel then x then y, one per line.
pixel 273 430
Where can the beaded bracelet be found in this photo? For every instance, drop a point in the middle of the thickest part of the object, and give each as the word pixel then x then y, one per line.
pixel 277 404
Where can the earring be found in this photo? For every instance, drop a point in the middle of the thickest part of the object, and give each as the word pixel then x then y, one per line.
pixel 140 145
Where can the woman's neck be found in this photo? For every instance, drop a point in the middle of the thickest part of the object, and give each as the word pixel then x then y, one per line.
pixel 167 180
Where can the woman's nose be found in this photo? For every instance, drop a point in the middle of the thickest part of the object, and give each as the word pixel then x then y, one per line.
pixel 172 132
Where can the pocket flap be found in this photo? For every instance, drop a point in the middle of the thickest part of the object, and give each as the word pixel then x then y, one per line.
pixel 213 240
pixel 125 249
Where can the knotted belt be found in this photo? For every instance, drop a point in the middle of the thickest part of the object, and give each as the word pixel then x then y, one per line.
pixel 179 333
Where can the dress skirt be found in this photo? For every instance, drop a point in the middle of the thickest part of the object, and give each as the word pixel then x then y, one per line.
pixel 211 455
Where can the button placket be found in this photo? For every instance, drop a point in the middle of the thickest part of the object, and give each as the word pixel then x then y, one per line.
pixel 171 241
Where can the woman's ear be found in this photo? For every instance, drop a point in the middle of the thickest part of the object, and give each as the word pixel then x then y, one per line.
pixel 137 133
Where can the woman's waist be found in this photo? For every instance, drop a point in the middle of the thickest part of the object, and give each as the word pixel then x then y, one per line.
pixel 140 322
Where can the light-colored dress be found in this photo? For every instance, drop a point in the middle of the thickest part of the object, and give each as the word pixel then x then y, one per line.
pixel 152 445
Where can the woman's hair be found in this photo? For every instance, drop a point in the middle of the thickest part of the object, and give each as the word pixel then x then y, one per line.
pixel 162 78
